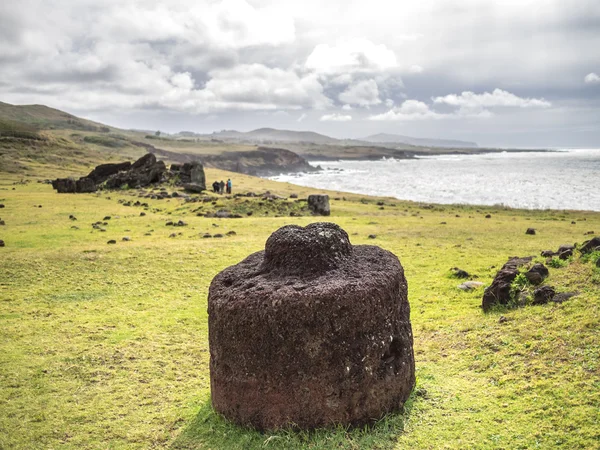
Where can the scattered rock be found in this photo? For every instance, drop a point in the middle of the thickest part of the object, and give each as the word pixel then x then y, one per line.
pixel 587 233
pixel 530 231
pixel 142 214
pixel 2 222
pixel 172 235
pixel 169 223
pixel 502 319
pixel 126 239
pixel 372 236
pixel 590 246
pixel 231 233
pixel 537 274
pixel 470 285
pixel 459 273
pixel 573 222
pixel 2 244
pixel 72 217
pixel 543 295
pixel 293 195
pixel 563 296
pixel 498 293
pixel 207 235
pixel 218 235
pixel 548 253
pixel 488 216
pixel 1 205
pixel 319 328
pixel 106 218
pixel 319 205
pixel 566 254
pixel 112 241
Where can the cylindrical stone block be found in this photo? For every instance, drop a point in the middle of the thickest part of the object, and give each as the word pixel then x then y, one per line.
pixel 312 332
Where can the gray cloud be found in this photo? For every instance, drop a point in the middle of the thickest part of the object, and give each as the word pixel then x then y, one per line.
pixel 238 62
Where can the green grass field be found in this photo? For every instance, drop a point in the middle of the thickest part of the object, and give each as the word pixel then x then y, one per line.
pixel 106 346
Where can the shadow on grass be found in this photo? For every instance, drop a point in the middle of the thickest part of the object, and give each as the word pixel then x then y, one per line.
pixel 210 430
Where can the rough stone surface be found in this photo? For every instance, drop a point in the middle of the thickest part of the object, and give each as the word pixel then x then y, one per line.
pixel 319 205
pixel 543 295
pixel 498 293
pixel 311 332
pixel 143 172
pixel 102 172
pixel 530 231
pixel 71 186
pixel 590 246
pixel 537 274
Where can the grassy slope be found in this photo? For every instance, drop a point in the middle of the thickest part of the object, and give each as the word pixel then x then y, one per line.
pixel 106 345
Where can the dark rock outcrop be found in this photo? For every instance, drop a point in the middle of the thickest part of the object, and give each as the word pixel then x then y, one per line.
pixel 543 295
pixel 590 246
pixel 499 292
pixel 143 172
pixel 537 274
pixel 319 205
pixel 2 244
pixel 102 172
pixel 71 186
pixel 530 231
pixel 311 332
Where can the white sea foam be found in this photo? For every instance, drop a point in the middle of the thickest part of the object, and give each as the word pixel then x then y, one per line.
pixel 534 180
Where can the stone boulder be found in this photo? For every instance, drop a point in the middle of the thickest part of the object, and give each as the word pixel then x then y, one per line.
pixel 590 246
pixel 543 295
pixel 537 274
pixel 143 172
pixel 102 172
pixel 311 332
pixel 499 292
pixel 319 205
pixel 71 186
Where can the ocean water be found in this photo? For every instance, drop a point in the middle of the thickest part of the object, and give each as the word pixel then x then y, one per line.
pixel 565 179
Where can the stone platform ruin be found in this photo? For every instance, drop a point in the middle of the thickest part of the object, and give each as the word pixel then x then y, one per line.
pixel 312 332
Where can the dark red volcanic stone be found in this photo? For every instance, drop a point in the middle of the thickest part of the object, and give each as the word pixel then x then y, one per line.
pixel 311 332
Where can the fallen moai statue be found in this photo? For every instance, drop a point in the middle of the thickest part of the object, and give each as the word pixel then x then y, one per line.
pixel 141 173
pixel 311 332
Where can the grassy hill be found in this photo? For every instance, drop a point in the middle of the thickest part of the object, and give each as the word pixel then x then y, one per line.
pixel 107 345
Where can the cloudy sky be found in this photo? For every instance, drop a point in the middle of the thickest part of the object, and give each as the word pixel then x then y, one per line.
pixel 505 73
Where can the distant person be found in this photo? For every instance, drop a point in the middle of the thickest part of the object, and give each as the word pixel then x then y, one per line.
pixel 229 185
pixel 215 186
pixel 221 187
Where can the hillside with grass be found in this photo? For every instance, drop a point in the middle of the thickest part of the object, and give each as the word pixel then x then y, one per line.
pixel 107 345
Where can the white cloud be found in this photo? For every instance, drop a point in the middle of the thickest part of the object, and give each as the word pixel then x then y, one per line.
pixel 415 68
pixel 592 78
pixel 301 118
pixel 335 118
pixel 389 102
pixel 363 93
pixel 408 110
pixel 347 107
pixel 355 55
pixel 497 98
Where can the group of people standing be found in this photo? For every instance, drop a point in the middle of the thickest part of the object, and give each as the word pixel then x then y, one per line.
pixel 221 187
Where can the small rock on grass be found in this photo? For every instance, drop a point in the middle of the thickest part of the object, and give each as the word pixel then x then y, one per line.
pixel 112 241
pixel 2 222
pixel 459 273
pixel 231 233
pixel 470 285
pixel 218 235
pixel 1 205
pixel 543 295
pixel 561 297
pixel 207 235
pixel 126 239
pixel 372 236
pixel 530 231
pixel 142 214
pixel 2 244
